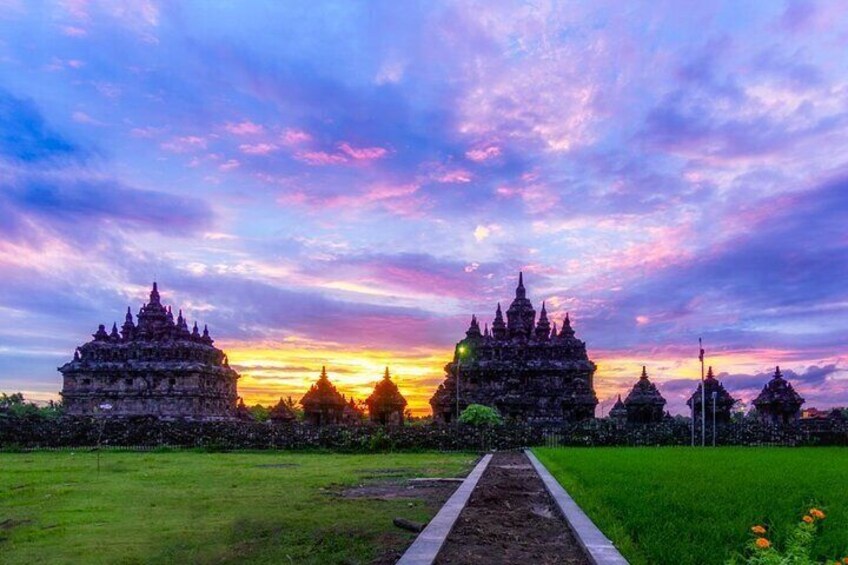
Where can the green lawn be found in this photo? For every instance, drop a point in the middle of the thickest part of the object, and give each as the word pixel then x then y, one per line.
pixel 190 507
pixel 681 505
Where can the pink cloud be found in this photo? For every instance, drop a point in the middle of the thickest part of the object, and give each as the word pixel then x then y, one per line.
pixel 363 153
pixel 258 148
pixel 295 137
pixel 184 144
pixel 73 31
pixel 320 158
pixel 229 165
pixel 483 154
pixel 244 128
pixel 453 176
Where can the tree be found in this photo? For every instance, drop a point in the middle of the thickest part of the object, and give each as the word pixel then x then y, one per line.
pixel 259 412
pixel 479 415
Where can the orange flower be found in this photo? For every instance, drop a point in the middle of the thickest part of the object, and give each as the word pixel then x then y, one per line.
pixel 817 514
pixel 808 519
pixel 758 530
pixel 763 543
pixel 845 560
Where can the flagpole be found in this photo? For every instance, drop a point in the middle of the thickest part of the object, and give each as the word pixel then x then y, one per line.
pixel 703 397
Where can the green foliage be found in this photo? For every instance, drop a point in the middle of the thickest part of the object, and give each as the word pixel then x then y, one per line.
pixel 380 441
pixel 799 545
pixel 479 415
pixel 259 413
pixel 685 505
pixel 197 507
pixel 16 406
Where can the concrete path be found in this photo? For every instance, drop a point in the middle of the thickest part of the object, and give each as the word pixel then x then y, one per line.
pixel 598 547
pixel 426 546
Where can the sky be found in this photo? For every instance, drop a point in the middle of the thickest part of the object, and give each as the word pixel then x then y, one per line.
pixel 346 183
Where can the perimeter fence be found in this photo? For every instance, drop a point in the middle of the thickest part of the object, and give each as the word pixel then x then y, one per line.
pixel 143 434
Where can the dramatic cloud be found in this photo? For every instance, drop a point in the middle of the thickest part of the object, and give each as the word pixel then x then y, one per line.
pixel 347 184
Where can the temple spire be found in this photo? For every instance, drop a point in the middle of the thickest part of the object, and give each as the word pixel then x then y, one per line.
pixel 543 327
pixel 128 328
pixel 154 294
pixel 386 374
pixel 498 326
pixel 644 372
pixel 777 373
pixel 567 330
pixel 114 335
pixel 520 292
pixel 205 336
pixel 473 329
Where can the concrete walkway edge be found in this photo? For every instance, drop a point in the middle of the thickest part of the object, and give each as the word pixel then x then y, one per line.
pixel 597 546
pixel 426 546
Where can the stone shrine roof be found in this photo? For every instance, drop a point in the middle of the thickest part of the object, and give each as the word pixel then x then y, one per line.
pixel 644 392
pixel 778 391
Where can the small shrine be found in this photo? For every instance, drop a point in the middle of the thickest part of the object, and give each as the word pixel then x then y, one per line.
pixel 718 400
pixel 644 404
pixel 282 413
pixel 352 414
pixel 618 412
pixel 386 404
pixel 323 404
pixel 778 403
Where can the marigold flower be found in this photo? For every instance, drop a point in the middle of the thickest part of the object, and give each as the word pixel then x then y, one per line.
pixel 817 514
pixel 808 519
pixel 763 543
pixel 758 530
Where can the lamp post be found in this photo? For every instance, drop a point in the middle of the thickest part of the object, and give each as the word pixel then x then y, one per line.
pixel 703 397
pixel 715 394
pixel 459 352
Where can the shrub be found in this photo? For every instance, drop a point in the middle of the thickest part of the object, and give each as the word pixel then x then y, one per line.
pixel 479 415
pixel 762 551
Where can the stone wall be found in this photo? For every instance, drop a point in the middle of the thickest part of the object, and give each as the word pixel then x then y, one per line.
pixel 35 432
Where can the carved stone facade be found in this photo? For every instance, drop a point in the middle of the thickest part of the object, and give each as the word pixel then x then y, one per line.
pixel 644 404
pixel 525 369
pixel 778 403
pixel 155 368
pixel 386 404
pixel 716 397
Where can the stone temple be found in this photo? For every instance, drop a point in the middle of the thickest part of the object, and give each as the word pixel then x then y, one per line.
pixel 524 368
pixel 157 367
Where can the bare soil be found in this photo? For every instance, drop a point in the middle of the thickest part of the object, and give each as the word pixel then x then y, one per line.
pixel 434 493
pixel 510 518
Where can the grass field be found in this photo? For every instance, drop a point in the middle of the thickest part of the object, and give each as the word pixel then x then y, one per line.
pixel 681 505
pixel 190 507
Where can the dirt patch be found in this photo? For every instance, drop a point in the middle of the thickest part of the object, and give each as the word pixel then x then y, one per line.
pixel 434 493
pixel 510 518
pixel 10 523
pixel 276 465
